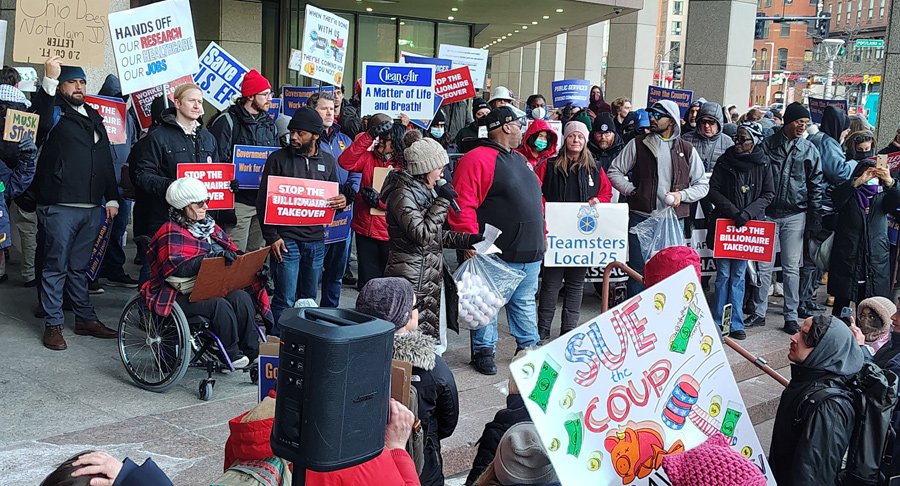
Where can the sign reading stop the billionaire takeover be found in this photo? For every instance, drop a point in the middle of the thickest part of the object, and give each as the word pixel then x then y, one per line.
pixel 217 179
pixel 755 241
pixel 292 201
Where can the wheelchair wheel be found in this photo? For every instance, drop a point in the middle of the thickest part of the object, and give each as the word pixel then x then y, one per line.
pixel 155 350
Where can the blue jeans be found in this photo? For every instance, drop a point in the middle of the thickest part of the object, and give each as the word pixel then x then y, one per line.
pixel 336 257
pixel 789 232
pixel 521 312
pixel 297 276
pixel 635 257
pixel 730 290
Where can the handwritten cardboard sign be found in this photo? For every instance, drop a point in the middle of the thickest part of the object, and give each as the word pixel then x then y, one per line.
pixel 755 241
pixel 581 235
pixel 19 124
pixel 647 379
pixel 217 179
pixel 291 201
pixel 113 112
pixel 29 80
pixel 324 46
pixel 74 30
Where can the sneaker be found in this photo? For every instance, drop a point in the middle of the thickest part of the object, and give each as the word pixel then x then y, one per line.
pixel 240 363
pixel 739 335
pixel 94 288
pixel 484 362
pixel 815 307
pixel 778 290
pixel 755 321
pixel 94 328
pixel 53 338
pixel 124 281
pixel 348 278
pixel 791 327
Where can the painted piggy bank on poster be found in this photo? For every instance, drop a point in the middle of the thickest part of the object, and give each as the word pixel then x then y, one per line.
pixel 648 379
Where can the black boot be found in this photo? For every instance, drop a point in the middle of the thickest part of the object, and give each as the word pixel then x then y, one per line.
pixel 484 362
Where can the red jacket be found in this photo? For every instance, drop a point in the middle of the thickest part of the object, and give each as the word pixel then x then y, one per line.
pixel 391 468
pixel 248 441
pixel 528 151
pixel 358 158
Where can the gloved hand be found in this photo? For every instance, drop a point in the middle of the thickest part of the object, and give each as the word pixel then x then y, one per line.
pixel 27 147
pixel 228 255
pixel 741 219
pixel 813 222
pixel 376 131
pixel 371 197
pixel 234 186
pixel 475 238
pixel 447 192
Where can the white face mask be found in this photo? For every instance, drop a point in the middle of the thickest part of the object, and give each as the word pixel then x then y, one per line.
pixel 538 113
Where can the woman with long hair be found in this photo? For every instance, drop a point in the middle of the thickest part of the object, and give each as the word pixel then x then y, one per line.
pixel 573 176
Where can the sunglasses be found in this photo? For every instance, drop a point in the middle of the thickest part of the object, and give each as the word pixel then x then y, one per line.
pixel 657 115
pixel 202 203
pixel 742 140
pixel 707 121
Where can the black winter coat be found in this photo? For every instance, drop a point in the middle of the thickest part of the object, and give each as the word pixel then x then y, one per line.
pixel 437 395
pixel 797 174
pixel 245 129
pixel 154 162
pixel 415 221
pixel 809 452
pixel 514 413
pixel 739 185
pixel 605 157
pixel 860 250
pixel 75 163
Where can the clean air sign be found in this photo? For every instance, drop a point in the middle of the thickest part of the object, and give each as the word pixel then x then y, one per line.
pixel 398 88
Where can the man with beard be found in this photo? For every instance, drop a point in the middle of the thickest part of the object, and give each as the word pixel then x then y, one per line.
pixel 605 143
pixel 298 251
pixel 246 122
pixel 76 187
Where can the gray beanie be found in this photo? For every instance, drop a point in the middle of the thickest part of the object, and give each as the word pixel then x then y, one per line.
pixel 185 191
pixel 388 298
pixel 881 307
pixel 521 458
pixel 424 156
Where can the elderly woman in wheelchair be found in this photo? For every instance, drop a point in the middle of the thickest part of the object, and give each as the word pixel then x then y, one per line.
pixel 175 254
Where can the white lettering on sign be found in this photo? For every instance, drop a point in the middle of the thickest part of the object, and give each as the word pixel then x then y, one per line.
pixel 387 76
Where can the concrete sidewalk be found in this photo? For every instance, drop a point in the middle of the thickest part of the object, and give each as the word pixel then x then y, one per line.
pixel 56 404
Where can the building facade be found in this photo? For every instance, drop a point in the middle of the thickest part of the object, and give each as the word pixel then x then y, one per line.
pixel 670 37
pixel 782 54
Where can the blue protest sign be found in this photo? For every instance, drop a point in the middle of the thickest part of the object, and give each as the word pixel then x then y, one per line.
pixel 99 248
pixel 440 65
pixel 248 164
pixel 398 88
pixel 275 108
pixel 817 107
pixel 339 229
pixel 575 91
pixel 681 97
pixel 220 76
pixel 293 97
pixel 424 124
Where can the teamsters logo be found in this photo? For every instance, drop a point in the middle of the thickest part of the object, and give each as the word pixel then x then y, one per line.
pixel 587 220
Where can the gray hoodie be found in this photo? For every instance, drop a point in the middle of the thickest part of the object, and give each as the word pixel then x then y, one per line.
pixel 837 352
pixel 660 148
pixel 710 148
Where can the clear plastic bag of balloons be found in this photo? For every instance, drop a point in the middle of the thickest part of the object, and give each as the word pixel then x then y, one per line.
pixel 484 284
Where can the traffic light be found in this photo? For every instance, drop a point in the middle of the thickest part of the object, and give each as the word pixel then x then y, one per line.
pixel 760 27
pixel 823 25
pixel 676 72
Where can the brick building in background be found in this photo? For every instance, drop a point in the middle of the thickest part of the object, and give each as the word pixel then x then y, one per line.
pixel 671 31
pixel 784 49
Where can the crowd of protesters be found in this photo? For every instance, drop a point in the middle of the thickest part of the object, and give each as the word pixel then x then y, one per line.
pixel 480 162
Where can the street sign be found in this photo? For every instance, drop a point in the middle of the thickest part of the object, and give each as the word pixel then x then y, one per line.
pixel 876 43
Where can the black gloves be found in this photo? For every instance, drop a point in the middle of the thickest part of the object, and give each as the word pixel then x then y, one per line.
pixel 234 186
pixel 741 219
pixel 27 148
pixel 228 255
pixel 447 192
pixel 376 131
pixel 371 197
pixel 475 238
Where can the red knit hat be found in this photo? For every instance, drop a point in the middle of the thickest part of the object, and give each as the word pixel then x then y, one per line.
pixel 668 262
pixel 254 83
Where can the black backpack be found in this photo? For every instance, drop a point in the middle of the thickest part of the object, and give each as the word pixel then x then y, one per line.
pixel 873 393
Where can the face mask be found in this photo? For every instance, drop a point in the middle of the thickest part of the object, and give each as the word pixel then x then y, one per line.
pixel 437 132
pixel 540 144
pixel 872 182
pixel 538 113
pixel 864 155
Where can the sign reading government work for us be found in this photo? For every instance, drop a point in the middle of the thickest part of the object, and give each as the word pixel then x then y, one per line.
pixel 74 30
pixel 581 235
pixel 324 45
pixel 220 76
pixel 398 88
pixel 153 44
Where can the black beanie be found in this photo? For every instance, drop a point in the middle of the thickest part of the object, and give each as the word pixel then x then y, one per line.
pixel 388 298
pixel 603 123
pixel 478 104
pixel 439 118
pixel 308 120
pixel 795 111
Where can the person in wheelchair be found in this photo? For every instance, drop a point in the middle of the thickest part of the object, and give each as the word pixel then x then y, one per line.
pixel 175 254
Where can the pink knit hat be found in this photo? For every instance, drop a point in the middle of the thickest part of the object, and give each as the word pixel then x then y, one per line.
pixel 712 463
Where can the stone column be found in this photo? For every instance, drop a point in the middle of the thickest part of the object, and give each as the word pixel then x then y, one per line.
pixel 235 25
pixel 515 73
pixel 529 82
pixel 499 70
pixel 552 63
pixel 630 67
pixel 889 103
pixel 718 50
pixel 584 53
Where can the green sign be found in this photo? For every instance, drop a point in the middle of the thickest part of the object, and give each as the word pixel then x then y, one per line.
pixel 876 43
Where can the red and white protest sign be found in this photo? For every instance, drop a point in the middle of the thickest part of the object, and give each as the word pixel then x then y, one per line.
pixel 113 112
pixel 754 241
pixel 454 85
pixel 144 98
pixel 217 179
pixel 299 202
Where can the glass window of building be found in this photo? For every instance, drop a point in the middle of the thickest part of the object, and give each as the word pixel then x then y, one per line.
pixel 849 10
pixel 871 8
pixel 417 37
pixel 765 29
pixel 768 3
pixel 677 8
pixel 786 29
pixel 755 60
pixel 676 27
pixel 456 34
pixel 764 55
pixel 859 10
pixel 881 9
pixel 839 12
pixel 782 58
pixel 380 34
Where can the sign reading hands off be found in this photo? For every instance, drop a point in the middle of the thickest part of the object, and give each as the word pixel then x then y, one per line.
pixel 647 379
pixel 74 30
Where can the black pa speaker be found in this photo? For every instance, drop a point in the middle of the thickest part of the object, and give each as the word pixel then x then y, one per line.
pixel 334 379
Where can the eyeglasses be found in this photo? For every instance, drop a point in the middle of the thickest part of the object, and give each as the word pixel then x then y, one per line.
pixel 707 121
pixel 202 203
pixel 265 94
pixel 742 140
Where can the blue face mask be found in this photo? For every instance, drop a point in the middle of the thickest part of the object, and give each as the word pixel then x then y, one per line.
pixel 540 144
pixel 437 132
pixel 872 182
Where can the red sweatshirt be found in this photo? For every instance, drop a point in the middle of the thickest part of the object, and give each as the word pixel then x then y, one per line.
pixel 391 468
pixel 357 158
